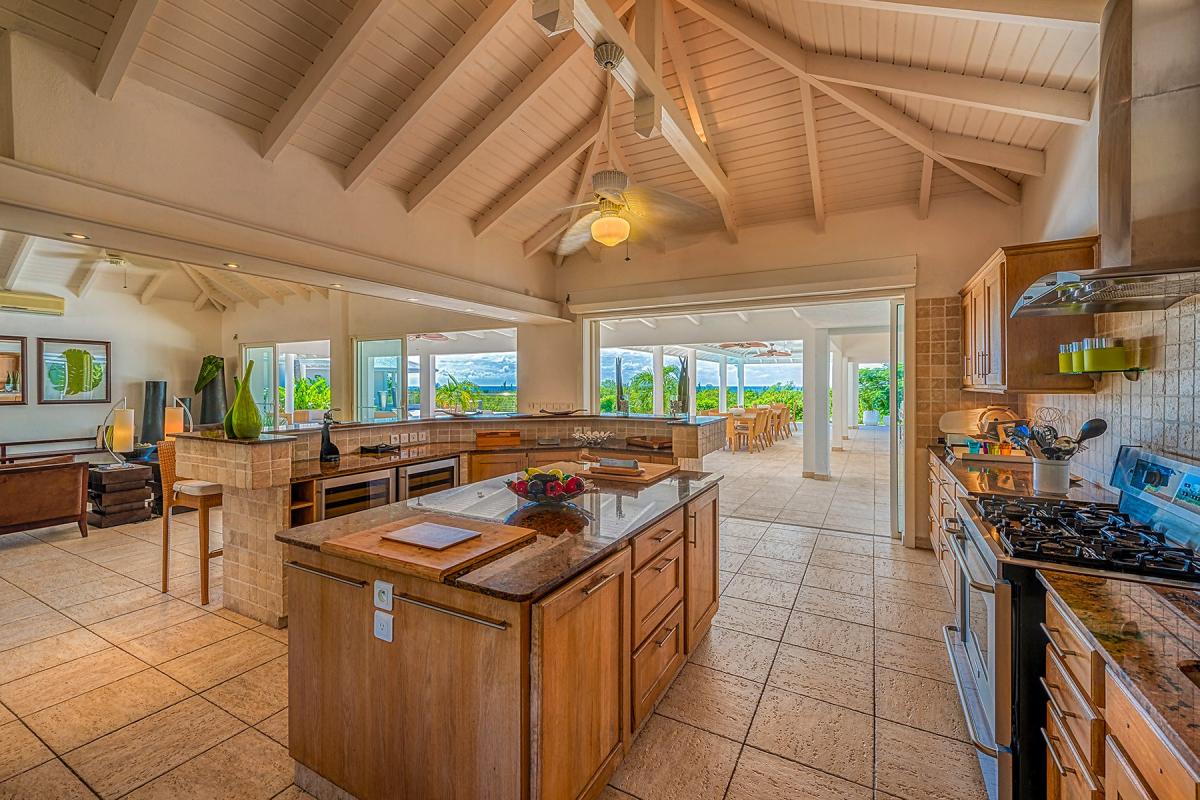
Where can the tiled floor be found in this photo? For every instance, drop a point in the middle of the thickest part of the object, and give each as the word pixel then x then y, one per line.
pixel 824 676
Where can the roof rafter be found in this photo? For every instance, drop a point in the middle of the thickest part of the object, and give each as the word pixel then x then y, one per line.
pixel 1079 14
pixel 585 175
pixel 152 286
pixel 648 36
pixel 232 285
pixel 12 270
pixel 90 274
pixel 344 43
pixel 814 157
pixel 926 188
pixel 120 43
pixel 426 91
pixel 206 295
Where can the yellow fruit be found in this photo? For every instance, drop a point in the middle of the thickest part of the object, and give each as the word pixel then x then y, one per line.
pixel 533 471
pixel 557 473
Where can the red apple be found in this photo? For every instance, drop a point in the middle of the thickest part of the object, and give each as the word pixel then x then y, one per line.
pixel 554 488
pixel 574 484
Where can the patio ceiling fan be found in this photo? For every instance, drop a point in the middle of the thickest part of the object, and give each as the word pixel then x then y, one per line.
pixel 430 337
pixel 774 352
pixel 743 345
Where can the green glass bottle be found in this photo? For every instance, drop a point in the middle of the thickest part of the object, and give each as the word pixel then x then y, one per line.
pixel 246 419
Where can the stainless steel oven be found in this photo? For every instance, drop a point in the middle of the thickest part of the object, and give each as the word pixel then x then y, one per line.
pixel 422 479
pixel 347 494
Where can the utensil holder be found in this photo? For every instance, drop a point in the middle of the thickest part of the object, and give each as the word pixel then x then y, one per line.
pixel 1051 477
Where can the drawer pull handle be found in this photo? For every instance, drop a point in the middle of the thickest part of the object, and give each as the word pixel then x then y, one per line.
pixel 487 623
pixel 663 535
pixel 666 636
pixel 666 563
pixel 1054 704
pixel 692 528
pixel 1054 645
pixel 597 582
pixel 320 573
pixel 1063 770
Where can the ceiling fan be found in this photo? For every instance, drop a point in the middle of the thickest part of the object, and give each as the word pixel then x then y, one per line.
pixel 743 345
pixel 774 352
pixel 430 337
pixel 624 212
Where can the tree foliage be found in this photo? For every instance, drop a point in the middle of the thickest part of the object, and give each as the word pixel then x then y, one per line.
pixel 308 394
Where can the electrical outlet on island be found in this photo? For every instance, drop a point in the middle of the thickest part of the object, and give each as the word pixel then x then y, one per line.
pixel 395 438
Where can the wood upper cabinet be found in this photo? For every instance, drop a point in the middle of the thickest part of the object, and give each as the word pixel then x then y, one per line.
pixel 1003 353
pixel 495 465
pixel 701 566
pixel 580 681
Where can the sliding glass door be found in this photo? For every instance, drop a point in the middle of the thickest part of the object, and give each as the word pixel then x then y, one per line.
pixel 264 382
pixel 380 381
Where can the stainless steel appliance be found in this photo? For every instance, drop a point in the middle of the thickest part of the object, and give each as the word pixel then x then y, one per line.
pixel 997 642
pixel 346 494
pixel 426 478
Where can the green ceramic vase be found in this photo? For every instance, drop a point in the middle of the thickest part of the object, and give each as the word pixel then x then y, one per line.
pixel 244 419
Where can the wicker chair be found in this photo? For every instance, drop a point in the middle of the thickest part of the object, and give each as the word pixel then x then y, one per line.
pixel 199 495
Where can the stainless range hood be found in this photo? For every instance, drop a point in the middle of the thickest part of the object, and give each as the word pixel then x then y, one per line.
pixel 1148 167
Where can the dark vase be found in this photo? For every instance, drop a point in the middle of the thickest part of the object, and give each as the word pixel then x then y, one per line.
pixel 152 411
pixel 213 401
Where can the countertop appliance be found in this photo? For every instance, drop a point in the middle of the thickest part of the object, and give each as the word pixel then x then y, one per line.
pixel 998 640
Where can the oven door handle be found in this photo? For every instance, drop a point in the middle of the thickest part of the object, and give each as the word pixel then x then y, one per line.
pixel 955 544
pixel 948 633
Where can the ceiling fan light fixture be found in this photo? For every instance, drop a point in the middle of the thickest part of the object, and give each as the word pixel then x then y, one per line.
pixel 609 55
pixel 610 230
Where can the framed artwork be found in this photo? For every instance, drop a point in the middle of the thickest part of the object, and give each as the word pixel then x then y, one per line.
pixel 12 371
pixel 73 371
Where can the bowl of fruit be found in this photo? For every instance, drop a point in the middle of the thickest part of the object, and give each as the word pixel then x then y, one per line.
pixel 547 487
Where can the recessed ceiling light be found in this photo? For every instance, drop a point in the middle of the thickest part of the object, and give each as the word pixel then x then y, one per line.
pixel 231 265
pixel 80 236
pixel 336 285
pixel 413 300
pixel 468 309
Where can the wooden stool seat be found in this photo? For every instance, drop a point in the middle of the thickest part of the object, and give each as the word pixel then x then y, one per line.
pixel 197 488
pixel 202 496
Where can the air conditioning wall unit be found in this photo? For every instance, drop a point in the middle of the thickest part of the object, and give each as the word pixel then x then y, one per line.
pixel 30 303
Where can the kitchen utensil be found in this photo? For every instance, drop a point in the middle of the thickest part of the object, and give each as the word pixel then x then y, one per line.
pixel 1051 476
pixel 1090 430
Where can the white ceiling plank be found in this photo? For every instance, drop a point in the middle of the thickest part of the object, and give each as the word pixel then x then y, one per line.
pixel 648 36
pixel 232 285
pixel 426 91
pixel 584 184
pixel 926 188
pixel 120 43
pixel 546 234
pixel 91 273
pixel 649 323
pixel 474 334
pixel 1075 14
pixel 990 154
pixel 342 46
pixel 814 156
pixel 566 153
pixel 10 272
pixel 151 288
pixel 269 287
pixel 205 297
pixel 864 102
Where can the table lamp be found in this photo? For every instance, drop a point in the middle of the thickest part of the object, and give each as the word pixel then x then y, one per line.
pixel 173 416
pixel 122 430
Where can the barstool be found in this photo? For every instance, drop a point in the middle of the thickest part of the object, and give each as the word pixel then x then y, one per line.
pixel 199 495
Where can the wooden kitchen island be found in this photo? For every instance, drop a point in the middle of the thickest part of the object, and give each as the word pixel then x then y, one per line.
pixel 524 676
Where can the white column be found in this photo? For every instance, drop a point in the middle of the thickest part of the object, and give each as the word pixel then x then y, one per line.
pixel 723 386
pixel 428 385
pixel 741 394
pixel 289 382
pixel 691 366
pixel 816 404
pixel 852 377
pixel 839 400
pixel 657 369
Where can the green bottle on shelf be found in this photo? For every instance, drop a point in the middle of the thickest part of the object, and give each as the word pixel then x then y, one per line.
pixel 244 420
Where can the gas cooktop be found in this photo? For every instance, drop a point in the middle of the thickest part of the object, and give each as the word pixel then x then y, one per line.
pixel 1094 535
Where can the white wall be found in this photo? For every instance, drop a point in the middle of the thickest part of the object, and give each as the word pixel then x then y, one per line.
pixel 1064 202
pixel 162 341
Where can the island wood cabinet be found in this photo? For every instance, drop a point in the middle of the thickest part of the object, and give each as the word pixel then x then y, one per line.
pixel 701 566
pixel 1020 354
pixel 483 466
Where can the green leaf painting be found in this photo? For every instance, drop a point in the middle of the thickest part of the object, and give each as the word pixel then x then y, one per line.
pixel 210 368
pixel 79 372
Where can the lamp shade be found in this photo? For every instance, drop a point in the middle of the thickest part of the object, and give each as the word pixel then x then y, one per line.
pixel 610 231
pixel 122 430
pixel 172 420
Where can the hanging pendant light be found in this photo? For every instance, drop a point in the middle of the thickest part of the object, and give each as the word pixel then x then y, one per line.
pixel 610 231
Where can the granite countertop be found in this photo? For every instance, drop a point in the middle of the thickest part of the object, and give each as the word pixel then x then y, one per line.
pixel 1143 632
pixel 569 541
pixel 1014 480
pixel 352 463
pixel 311 427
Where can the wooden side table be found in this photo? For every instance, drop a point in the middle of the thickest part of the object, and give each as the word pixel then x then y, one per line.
pixel 118 495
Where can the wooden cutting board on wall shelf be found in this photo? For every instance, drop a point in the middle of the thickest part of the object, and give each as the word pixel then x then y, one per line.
pixel 371 547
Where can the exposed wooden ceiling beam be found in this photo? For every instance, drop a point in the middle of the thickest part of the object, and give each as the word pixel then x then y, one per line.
pixel 990 154
pixel 233 285
pixel 926 188
pixel 90 274
pixel 814 157
pixel 12 270
pixel 268 287
pixel 344 43
pixel 584 185
pixel 152 286
pixel 1080 14
pixel 426 91
pixel 692 320
pixel 649 323
pixel 205 297
pixel 474 334
pixel 120 43
pixel 566 153
pixel 596 22
pixel 743 316
pixel 864 102
pixel 1038 102
pixel 648 36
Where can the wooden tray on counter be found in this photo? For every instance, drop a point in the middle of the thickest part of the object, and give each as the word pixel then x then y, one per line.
pixel 370 546
pixel 650 474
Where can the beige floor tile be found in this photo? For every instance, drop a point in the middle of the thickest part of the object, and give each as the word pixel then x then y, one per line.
pixel 673 761
pixel 763 776
pixel 860 546
pixel 218 662
pixel 919 703
pixel 829 635
pixel 897 552
pixel 276 726
pixel 20 750
pixel 913 763
pixel 836 559
pixel 762 590
pixel 86 592
pixel 136 754
pixel 824 676
pixel 75 722
pixel 143 621
pixel 908 571
pixel 249 765
pixel 738 546
pixel 255 695
pixel 278 634
pixel 913 620
pixel 32 629
pixel 115 605
pixel 6 716
pixel 61 572
pixel 839 605
pixel 45 653
pixel 177 640
pixel 777 569
pixel 912 654
pixel 21 608
pixel 828 737
pixel 613 793
pixel 64 681
pixel 730 561
pixel 296 793
pixel 736 653
pixel 786 551
pixel 924 595
pixel 714 701
pixel 233 616
pixel 51 780
pixel 747 616
pixel 8 592
pixel 723 580
pixel 839 580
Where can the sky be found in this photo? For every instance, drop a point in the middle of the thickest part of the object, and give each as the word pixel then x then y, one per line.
pixel 708 372
pixel 484 369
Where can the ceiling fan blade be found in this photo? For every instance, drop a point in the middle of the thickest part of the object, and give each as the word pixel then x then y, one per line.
pixel 578 235
pixel 667 209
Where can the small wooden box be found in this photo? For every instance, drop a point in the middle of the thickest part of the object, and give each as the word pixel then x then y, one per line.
pixel 497 438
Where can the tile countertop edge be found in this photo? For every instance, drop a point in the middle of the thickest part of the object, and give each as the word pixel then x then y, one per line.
pixel 1188 752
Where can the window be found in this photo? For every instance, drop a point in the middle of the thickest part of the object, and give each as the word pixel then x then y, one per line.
pixel 380 385
pixel 462 371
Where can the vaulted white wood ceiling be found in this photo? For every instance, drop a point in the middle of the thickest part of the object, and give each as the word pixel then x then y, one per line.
pixel 802 109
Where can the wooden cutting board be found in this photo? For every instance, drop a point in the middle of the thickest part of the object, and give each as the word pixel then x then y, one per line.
pixel 650 474
pixel 370 546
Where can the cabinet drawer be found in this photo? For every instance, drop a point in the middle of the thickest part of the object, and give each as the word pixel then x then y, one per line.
pixel 649 543
pixel 1067 777
pixel 1083 723
pixel 656 663
pixel 1123 781
pixel 1152 757
pixel 657 589
pixel 1083 663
